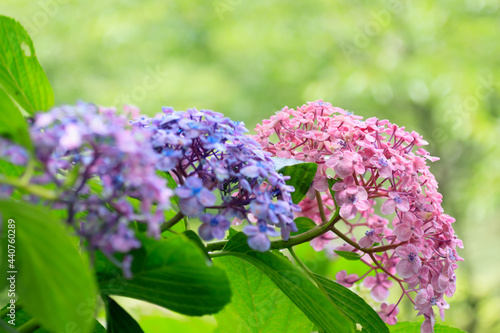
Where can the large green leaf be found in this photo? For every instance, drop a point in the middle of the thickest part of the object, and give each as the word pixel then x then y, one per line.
pixel 317 306
pixel 410 327
pixel 172 273
pixel 302 176
pixel 13 126
pixel 21 75
pixel 23 317
pixel 258 305
pixel 354 306
pixel 119 321
pixel 53 281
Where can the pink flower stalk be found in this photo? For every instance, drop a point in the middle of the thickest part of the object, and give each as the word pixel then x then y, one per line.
pixel 379 169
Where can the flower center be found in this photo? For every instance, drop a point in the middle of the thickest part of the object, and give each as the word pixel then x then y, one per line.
pixel 353 198
pixel 412 256
pixel 398 200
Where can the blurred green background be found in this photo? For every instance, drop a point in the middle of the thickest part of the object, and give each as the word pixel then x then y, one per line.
pixel 432 66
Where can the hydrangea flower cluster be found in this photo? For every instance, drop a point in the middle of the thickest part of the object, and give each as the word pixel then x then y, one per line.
pixel 381 174
pixel 105 171
pixel 206 152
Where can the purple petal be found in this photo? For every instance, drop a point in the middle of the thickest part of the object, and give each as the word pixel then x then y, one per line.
pixel 259 242
pixel 251 230
pixel 205 232
pixel 206 197
pixel 251 171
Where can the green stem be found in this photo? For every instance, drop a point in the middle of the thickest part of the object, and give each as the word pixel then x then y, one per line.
pixel 29 326
pixel 37 190
pixel 307 270
pixel 30 169
pixel 173 221
pixel 321 208
pixel 344 237
pixel 292 241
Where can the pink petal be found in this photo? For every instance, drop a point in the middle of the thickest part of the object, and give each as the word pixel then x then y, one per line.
pixel 348 211
pixel 403 232
pixel 365 242
pixel 404 268
pixel 384 172
pixel 403 206
pixel 388 207
pixel 363 205
pixel 362 195
pixel 379 293
pixel 320 183
pixel 370 281
pixel 344 168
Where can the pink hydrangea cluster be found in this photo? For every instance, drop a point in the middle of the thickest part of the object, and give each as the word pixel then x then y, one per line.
pixel 389 204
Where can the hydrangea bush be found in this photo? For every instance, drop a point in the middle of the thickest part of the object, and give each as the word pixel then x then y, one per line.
pixel 130 189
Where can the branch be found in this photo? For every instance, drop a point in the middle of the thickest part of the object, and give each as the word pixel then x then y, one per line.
pixel 37 190
pixel 292 241
pixel 173 221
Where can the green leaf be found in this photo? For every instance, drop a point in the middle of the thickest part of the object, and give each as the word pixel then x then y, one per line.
pixel 353 306
pixel 21 75
pixel 13 126
pixel 193 236
pixel 411 327
pixel 118 319
pixel 232 232
pixel 302 176
pixel 53 281
pixel 172 273
pixel 10 170
pixel 303 224
pixel 348 255
pixel 23 317
pixel 257 305
pixel 295 284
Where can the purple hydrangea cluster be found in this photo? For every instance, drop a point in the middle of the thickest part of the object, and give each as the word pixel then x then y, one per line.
pixel 222 175
pixel 104 170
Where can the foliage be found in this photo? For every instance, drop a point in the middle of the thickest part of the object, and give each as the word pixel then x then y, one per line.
pixel 259 98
